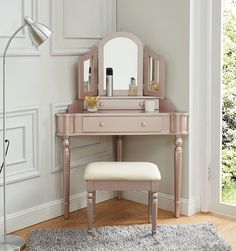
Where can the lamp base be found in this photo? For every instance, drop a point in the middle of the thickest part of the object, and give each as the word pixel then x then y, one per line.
pixel 13 243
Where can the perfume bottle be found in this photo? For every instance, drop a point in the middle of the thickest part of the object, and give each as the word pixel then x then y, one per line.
pixel 109 82
pixel 154 86
pixel 133 89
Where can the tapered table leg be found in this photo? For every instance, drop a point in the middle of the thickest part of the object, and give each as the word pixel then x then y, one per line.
pixel 66 175
pixel 119 157
pixel 177 173
pixel 119 148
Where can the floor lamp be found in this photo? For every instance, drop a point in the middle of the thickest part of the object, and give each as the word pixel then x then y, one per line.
pixel 38 34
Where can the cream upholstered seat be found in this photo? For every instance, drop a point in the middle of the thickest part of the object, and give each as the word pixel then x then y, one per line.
pixel 121 176
pixel 122 171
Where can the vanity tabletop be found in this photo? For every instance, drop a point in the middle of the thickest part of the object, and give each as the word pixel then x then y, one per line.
pixel 121 113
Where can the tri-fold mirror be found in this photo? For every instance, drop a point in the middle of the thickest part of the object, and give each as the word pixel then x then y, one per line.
pixel 132 64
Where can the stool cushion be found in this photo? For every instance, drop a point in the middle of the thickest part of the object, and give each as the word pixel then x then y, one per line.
pixel 122 171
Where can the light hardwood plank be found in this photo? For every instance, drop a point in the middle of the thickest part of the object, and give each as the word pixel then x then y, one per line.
pixel 124 212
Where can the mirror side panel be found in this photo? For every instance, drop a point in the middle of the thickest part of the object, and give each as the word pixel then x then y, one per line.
pixel 87 74
pixel 154 73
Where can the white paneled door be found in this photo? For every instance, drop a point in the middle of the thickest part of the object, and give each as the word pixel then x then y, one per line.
pixel 217 195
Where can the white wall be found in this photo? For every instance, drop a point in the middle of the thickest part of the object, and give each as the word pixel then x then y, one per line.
pixel 40 83
pixel 165 26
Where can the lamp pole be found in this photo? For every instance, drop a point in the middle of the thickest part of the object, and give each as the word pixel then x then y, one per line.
pixel 4 141
pixel 17 240
pixel 38 34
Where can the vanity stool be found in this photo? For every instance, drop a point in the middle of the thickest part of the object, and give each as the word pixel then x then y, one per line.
pixel 122 176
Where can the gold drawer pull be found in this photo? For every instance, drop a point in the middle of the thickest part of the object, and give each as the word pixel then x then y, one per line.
pixel 143 124
pixel 101 123
pixel 101 104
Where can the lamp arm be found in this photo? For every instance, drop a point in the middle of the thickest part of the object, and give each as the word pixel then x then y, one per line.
pixel 10 39
pixel 4 94
pixel 3 166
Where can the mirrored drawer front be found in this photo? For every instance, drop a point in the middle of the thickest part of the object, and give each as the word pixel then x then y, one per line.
pixel 123 124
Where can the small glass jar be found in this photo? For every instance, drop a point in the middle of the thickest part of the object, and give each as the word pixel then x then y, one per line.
pixel 92 108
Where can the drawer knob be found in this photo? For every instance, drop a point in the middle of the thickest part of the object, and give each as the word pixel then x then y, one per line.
pixel 101 123
pixel 143 124
pixel 141 104
pixel 101 104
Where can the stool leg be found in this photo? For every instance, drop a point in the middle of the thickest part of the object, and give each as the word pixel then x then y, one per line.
pixel 154 212
pixel 94 205
pixel 149 207
pixel 90 211
pixel 119 195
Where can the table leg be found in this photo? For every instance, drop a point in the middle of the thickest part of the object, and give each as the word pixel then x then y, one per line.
pixel 66 175
pixel 119 156
pixel 119 148
pixel 177 173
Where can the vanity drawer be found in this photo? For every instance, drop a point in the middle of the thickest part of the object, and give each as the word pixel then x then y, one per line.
pixel 125 103
pixel 123 124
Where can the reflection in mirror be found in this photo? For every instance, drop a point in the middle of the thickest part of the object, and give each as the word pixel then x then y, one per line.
pixel 154 69
pixel 121 54
pixel 87 75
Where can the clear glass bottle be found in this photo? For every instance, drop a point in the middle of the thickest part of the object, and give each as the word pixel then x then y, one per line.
pixel 133 89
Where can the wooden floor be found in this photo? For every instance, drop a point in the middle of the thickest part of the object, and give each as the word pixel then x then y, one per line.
pixel 124 212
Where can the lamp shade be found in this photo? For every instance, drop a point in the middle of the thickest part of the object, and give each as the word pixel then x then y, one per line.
pixel 37 32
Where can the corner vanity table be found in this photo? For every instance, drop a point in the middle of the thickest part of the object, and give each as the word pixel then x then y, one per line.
pixel 122 114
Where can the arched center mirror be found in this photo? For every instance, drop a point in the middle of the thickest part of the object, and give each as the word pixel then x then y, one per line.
pixel 123 54
pixel 120 54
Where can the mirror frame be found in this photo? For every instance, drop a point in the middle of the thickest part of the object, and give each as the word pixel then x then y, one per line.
pixel 93 56
pixel 139 81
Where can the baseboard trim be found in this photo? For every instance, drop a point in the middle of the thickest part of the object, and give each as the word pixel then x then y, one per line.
pixel 54 209
pixel 48 211
pixel 165 201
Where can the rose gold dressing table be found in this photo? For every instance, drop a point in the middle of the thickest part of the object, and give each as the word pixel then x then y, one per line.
pixel 122 114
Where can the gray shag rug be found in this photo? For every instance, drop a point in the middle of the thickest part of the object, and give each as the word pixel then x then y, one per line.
pixel 187 237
